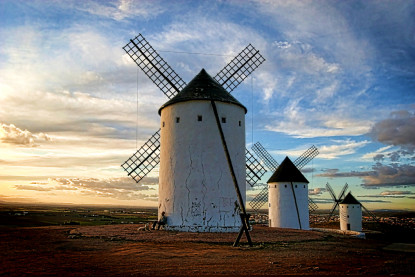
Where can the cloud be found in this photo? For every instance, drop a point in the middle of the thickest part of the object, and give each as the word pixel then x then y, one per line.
pixel 340 148
pixel 117 188
pixel 12 135
pixel 323 200
pixel 316 191
pixel 335 173
pixel 392 194
pixel 374 201
pixel 75 80
pixel 300 120
pixel 394 175
pixel 390 176
pixel 397 130
pixel 37 187
pixel 123 9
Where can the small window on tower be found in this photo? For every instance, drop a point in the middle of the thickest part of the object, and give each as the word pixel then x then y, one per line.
pixel 163 123
pixel 240 124
pixel 223 119
pixel 295 186
pixel 177 119
pixel 199 118
pixel 285 186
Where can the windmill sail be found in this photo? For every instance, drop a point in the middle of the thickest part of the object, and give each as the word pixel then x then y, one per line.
pixel 265 156
pixel 306 157
pixel 239 68
pixel 254 169
pixel 372 215
pixel 170 83
pixel 260 199
pixel 312 206
pixel 336 200
pixel 154 66
pixel 145 159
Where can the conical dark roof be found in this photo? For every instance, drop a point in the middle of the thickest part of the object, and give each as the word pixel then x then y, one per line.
pixel 203 87
pixel 349 199
pixel 287 172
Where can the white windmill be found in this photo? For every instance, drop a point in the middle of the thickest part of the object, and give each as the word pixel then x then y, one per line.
pixel 195 183
pixel 202 147
pixel 350 213
pixel 288 198
pixel 262 197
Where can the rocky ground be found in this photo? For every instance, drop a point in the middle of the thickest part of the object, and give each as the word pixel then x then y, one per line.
pixel 122 250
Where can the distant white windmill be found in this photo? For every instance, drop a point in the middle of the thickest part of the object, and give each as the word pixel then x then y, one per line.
pixel 288 198
pixel 262 197
pixel 350 213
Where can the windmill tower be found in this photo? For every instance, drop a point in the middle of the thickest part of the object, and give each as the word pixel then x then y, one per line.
pixel 288 198
pixel 350 214
pixel 195 189
pixel 201 144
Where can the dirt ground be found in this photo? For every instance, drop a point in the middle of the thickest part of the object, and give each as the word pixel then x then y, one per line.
pixel 122 250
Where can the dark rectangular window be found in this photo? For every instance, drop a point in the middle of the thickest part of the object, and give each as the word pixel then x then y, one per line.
pixel 177 119
pixel 223 119
pixel 163 123
pixel 199 118
pixel 239 123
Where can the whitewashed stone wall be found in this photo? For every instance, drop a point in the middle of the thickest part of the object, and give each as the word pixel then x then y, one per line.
pixel 195 185
pixel 282 212
pixel 350 214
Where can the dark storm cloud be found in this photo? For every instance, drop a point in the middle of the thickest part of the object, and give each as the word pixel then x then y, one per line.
pixel 394 175
pixel 334 173
pixel 390 176
pixel 397 130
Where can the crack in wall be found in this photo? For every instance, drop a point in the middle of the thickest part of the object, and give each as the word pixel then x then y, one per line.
pixel 187 179
pixel 204 190
pixel 174 185
pixel 181 215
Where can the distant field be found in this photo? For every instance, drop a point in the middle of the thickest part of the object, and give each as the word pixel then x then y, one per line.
pixel 12 216
pixel 35 216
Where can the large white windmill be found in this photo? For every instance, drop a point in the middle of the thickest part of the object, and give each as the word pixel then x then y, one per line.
pixel 202 147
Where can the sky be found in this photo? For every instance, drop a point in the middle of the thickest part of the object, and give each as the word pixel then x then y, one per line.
pixel 339 75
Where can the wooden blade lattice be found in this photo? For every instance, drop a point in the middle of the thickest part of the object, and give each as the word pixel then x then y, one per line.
pixel 145 159
pixel 372 215
pixel 254 169
pixel 239 68
pixel 268 160
pixel 312 206
pixel 259 200
pixel 154 66
pixel 306 157
pixel 336 200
